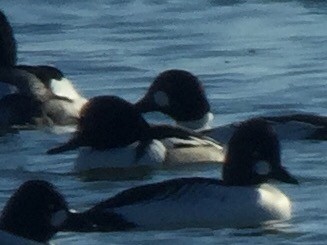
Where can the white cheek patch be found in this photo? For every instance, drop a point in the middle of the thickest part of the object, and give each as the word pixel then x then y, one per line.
pixel 161 98
pixel 58 218
pixel 262 168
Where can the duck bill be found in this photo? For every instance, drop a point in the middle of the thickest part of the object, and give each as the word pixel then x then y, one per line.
pixel 145 104
pixel 283 175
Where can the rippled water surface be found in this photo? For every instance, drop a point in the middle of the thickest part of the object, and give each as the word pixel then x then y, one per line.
pixel 254 58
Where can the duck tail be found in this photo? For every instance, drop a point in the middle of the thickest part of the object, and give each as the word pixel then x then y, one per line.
pixel 8 47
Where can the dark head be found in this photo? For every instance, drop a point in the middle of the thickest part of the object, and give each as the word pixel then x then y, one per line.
pixel 253 155
pixel 178 94
pixel 107 122
pixel 110 122
pixel 35 211
pixel 8 51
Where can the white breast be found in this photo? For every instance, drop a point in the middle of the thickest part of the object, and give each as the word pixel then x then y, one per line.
pixel 212 206
pixel 89 159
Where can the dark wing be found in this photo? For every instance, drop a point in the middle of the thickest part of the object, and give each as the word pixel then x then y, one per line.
pixel 153 191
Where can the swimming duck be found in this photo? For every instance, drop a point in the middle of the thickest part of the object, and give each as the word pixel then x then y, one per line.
pixel 180 95
pixel 34 213
pixel 111 133
pixel 60 103
pixel 241 199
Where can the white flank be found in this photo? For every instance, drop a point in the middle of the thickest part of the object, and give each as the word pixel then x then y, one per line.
pixel 211 206
pixel 89 159
pixel 202 123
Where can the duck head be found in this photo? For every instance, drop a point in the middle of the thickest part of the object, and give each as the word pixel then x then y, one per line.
pixel 178 94
pixel 253 156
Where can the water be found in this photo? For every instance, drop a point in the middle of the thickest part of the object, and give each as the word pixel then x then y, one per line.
pixel 254 58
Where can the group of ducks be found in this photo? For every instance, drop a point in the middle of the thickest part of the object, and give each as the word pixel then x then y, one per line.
pixel 112 133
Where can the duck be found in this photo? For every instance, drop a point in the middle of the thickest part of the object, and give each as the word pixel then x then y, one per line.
pixel 111 134
pixel 59 102
pixel 33 214
pixel 241 199
pixel 180 95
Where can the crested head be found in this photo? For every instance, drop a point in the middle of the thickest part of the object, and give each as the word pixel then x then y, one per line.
pixel 177 93
pixel 253 155
pixel 32 211
pixel 8 49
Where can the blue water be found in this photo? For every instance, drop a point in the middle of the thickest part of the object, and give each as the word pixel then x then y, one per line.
pixel 254 58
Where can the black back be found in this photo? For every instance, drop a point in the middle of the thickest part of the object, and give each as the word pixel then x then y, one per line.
pixel 44 73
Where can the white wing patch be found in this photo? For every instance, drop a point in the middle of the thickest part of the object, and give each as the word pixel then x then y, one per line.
pixel 64 88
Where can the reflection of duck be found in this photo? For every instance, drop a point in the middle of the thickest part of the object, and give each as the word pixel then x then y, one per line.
pixel 34 212
pixel 58 100
pixel 180 95
pixel 114 135
pixel 241 199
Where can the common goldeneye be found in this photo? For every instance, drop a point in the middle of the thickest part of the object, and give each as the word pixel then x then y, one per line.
pixel 180 95
pixel 241 199
pixel 59 101
pixel 33 214
pixel 111 133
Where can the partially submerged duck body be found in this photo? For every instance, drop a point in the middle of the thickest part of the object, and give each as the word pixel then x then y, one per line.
pixel 59 101
pixel 242 198
pixel 180 95
pixel 111 133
